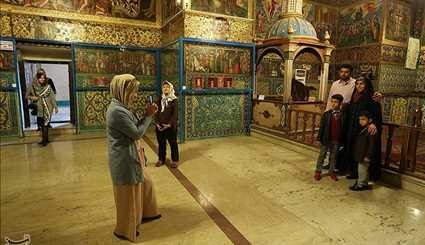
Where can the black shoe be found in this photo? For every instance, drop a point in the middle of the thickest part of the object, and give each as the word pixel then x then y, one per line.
pixel 149 219
pixel 125 238
pixel 351 176
pixel 357 187
pixel 327 166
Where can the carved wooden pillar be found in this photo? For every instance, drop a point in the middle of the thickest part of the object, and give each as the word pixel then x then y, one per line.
pixel 289 67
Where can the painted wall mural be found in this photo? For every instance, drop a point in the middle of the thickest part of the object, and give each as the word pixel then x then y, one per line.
pixel 169 9
pixel 394 54
pixel 228 7
pixel 398 21
pixel 217 67
pixel 138 9
pixel 207 117
pixel 97 66
pixel 267 13
pixel 170 65
pixel 360 24
pixel 173 30
pixel 323 18
pixel 37 27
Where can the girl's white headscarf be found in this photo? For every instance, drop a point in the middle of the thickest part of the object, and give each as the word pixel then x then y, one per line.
pixel 167 98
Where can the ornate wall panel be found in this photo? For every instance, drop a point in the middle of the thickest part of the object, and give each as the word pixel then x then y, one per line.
pixel 9 116
pixel 9 125
pixel 92 106
pixel 399 111
pixel 214 28
pixel 422 57
pixel 216 115
pixel 396 79
pixel 394 54
pixel 49 28
pixel 420 80
pixel 398 17
pixel 6 28
pixel 226 7
pixel 360 24
pixel 173 30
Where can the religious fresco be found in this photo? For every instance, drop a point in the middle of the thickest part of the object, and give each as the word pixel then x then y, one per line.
pixel 266 14
pixel 217 66
pixel 169 9
pixel 139 9
pixel 7 69
pixel 323 18
pixel 96 67
pixel 170 66
pixel 398 22
pixel 207 117
pixel 270 75
pixel 360 24
pixel 228 7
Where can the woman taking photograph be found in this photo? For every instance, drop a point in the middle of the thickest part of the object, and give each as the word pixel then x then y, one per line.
pixel 166 125
pixel 41 94
pixel 133 191
pixel 362 101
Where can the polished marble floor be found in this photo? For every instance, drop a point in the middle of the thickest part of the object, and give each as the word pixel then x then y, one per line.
pixel 263 187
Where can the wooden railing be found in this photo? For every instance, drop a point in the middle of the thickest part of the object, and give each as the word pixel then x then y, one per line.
pixel 403 146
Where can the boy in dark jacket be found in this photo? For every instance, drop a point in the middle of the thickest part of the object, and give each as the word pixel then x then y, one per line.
pixel 364 150
pixel 330 136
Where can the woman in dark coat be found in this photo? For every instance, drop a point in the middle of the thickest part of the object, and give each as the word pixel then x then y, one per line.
pixel 362 101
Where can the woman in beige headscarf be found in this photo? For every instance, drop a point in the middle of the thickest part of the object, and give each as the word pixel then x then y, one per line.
pixel 133 191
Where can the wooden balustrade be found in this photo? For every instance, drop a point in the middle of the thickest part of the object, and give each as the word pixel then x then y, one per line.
pixel 403 145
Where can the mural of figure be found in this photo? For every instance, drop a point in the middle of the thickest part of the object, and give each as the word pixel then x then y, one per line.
pixel 270 8
pixel 150 11
pixel 102 7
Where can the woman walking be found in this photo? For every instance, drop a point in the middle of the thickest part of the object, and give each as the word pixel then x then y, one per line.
pixel 133 190
pixel 41 93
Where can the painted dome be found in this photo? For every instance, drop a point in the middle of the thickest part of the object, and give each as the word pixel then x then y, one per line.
pixel 300 26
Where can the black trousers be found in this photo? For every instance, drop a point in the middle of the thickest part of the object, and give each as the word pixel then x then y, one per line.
pixel 169 135
pixel 44 130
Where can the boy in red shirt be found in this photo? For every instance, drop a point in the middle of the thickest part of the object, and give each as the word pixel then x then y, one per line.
pixel 330 136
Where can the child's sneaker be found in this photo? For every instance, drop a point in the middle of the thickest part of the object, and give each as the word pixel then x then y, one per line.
pixel 333 177
pixel 317 175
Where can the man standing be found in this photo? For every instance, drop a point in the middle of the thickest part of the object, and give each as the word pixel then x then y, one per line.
pixel 344 86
